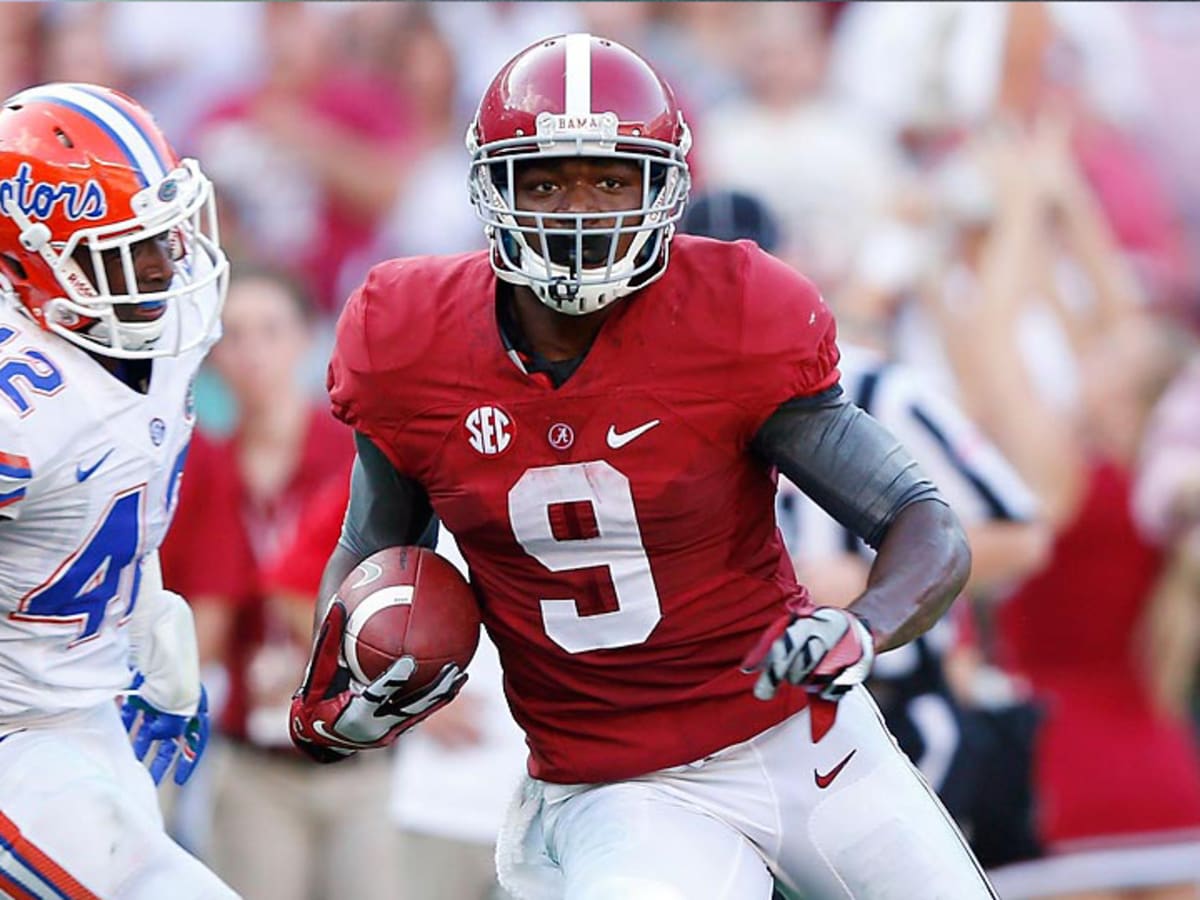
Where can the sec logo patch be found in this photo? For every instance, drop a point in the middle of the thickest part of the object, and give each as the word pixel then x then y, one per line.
pixel 490 430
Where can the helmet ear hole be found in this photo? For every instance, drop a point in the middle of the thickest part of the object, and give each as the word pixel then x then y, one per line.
pixel 14 266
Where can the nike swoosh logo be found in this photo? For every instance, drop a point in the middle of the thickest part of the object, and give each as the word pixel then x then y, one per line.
pixel 824 781
pixel 618 439
pixel 82 474
pixel 370 571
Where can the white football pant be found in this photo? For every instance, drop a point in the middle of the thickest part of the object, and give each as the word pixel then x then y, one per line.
pixel 847 818
pixel 79 818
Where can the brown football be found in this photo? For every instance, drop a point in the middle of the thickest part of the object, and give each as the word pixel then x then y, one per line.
pixel 407 601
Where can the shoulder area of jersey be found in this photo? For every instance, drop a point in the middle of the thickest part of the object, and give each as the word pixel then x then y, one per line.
pixel 713 263
pixel 746 288
pixel 404 304
pixel 19 327
pixel 691 252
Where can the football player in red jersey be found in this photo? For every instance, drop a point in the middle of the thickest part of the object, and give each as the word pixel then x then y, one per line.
pixel 600 431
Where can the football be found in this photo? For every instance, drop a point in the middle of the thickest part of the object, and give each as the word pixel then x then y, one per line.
pixel 407 601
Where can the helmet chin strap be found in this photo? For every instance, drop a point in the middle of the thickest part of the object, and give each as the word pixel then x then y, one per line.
pixel 133 336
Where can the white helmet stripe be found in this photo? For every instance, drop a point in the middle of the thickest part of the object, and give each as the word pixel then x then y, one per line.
pixel 124 131
pixel 579 75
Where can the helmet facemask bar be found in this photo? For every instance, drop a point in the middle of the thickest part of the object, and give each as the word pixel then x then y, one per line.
pixel 182 206
pixel 528 245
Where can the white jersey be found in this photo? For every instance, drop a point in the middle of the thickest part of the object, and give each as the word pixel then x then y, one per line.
pixel 89 481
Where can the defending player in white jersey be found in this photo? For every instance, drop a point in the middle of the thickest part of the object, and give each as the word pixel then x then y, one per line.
pixel 111 283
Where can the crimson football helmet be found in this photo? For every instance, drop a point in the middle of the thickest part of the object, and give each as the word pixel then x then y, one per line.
pixel 85 168
pixel 579 95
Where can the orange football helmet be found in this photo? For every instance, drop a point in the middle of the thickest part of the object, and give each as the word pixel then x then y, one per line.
pixel 85 169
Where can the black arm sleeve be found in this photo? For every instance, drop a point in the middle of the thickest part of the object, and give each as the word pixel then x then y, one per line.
pixel 843 459
pixel 386 508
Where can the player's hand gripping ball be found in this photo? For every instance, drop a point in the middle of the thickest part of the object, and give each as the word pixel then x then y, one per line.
pixel 407 601
pixel 391 651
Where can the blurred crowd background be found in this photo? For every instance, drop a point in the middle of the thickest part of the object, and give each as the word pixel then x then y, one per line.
pixel 1000 200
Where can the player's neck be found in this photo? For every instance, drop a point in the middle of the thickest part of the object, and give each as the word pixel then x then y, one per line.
pixel 133 373
pixel 553 335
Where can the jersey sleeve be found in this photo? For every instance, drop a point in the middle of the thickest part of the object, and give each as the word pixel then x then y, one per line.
pixel 787 341
pixel 381 336
pixel 16 471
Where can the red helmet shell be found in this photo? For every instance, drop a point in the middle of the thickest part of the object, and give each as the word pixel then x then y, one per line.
pixel 610 78
pixel 579 95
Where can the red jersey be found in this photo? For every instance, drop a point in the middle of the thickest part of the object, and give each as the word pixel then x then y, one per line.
pixel 620 534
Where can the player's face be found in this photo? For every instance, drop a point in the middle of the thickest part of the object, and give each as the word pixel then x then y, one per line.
pixel 153 266
pixel 580 185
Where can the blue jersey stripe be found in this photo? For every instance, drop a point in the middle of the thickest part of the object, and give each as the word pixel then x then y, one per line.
pixel 15 471
pixel 28 866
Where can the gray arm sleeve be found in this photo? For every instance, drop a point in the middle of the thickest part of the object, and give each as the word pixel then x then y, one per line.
pixel 386 508
pixel 848 463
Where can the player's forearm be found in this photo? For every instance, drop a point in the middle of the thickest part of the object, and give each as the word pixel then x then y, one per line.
pixel 341 563
pixel 923 563
pixel 386 509
pixel 162 638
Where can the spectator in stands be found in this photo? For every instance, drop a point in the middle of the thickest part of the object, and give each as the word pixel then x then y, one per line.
pixel 427 71
pixel 278 831
pixel 1118 777
pixel 825 173
pixel 310 156
pixel 21 39
pixel 1167 505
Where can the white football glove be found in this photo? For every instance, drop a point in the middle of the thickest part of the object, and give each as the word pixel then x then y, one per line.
pixel 825 650
pixel 331 717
